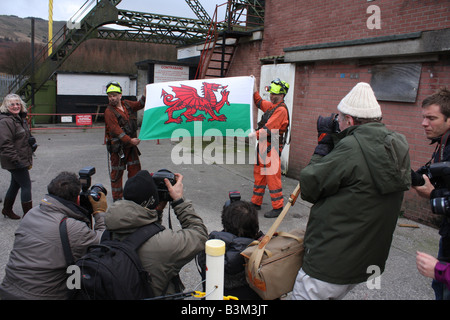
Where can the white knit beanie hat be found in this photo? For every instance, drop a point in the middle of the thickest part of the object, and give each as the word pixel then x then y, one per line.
pixel 360 102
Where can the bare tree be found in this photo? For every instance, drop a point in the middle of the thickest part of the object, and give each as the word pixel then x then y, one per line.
pixel 17 57
pixel 92 56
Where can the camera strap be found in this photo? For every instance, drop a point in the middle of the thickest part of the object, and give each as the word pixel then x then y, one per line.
pixel 65 242
pixel 169 220
pixel 444 140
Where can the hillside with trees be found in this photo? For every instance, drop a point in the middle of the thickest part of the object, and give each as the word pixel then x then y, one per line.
pixel 93 55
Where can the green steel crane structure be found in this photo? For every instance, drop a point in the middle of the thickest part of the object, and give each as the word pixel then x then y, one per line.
pixel 199 11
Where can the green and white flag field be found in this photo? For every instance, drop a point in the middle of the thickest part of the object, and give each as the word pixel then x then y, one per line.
pixel 207 107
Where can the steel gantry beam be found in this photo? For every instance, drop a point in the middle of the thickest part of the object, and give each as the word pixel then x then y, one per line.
pixel 149 27
pixel 199 11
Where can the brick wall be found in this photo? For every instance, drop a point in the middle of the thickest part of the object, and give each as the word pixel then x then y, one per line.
pixel 246 60
pixel 301 22
pixel 320 87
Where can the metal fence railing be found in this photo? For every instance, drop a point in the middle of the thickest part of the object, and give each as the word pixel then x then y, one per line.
pixel 5 82
pixel 63 121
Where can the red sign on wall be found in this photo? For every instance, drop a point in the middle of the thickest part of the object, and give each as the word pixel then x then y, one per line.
pixel 84 120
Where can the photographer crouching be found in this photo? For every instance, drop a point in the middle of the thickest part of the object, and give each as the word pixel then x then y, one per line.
pixel 240 228
pixel 165 253
pixel 37 266
pixel 432 181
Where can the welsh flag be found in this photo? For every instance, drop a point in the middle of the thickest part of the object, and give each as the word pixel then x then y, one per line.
pixel 207 107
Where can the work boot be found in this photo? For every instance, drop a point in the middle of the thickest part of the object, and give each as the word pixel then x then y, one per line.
pixel 256 206
pixel 273 213
pixel 7 209
pixel 26 206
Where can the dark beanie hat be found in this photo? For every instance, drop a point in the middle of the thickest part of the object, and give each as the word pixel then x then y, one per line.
pixel 142 190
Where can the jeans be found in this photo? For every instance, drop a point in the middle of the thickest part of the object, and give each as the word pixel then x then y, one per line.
pixel 20 179
pixel 441 291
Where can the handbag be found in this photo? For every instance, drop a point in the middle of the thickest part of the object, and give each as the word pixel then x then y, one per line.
pixel 272 264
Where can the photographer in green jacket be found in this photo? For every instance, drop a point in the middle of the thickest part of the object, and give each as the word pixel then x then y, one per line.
pixel 356 180
pixel 164 254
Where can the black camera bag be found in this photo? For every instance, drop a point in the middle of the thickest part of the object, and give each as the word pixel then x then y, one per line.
pixel 112 269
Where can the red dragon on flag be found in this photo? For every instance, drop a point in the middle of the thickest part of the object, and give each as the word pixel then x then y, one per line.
pixel 187 97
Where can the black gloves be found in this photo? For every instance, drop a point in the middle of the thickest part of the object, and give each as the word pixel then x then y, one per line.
pixel 142 100
pixel 325 127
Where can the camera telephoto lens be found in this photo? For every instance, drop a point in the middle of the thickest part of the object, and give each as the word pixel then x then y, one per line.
pixel 440 206
pixel 95 191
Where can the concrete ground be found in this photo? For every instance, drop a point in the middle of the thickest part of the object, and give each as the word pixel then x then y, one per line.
pixel 207 183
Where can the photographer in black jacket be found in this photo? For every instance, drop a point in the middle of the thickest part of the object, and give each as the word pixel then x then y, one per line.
pixel 436 123
pixel 240 228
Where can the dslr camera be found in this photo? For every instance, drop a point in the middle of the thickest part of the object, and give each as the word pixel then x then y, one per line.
pixel 85 179
pixel 328 124
pixel 233 196
pixel 32 142
pixel 439 175
pixel 158 178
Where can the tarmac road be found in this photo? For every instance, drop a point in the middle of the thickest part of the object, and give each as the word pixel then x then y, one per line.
pixel 207 183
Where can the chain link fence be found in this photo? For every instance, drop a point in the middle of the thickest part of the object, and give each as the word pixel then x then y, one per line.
pixel 5 82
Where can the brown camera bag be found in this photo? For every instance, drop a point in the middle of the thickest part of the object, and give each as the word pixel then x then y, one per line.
pixel 272 264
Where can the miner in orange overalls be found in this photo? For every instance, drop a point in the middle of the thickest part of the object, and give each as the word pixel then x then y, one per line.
pixel 271 134
pixel 121 136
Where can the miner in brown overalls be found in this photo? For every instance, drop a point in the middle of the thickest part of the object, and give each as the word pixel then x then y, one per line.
pixel 121 136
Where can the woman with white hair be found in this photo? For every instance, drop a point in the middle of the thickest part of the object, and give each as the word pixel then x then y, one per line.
pixel 16 152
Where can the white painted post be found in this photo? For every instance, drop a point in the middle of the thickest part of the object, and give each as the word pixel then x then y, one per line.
pixel 215 251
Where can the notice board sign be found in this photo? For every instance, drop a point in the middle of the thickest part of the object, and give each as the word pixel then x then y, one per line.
pixel 396 82
pixel 83 120
pixel 65 119
pixel 164 73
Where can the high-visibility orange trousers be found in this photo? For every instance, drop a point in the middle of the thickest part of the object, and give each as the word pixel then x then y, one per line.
pixel 268 174
pixel 130 162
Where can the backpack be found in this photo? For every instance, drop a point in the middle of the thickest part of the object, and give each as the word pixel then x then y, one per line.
pixel 112 269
